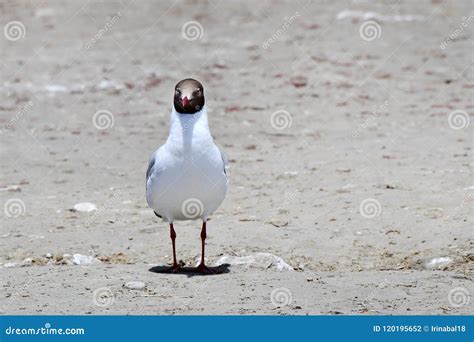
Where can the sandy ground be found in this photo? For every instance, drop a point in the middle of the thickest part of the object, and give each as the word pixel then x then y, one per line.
pixel 360 118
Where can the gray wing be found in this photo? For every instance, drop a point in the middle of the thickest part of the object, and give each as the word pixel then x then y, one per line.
pixel 149 171
pixel 151 166
pixel 225 160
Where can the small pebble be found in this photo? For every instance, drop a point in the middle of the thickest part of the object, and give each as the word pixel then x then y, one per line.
pixel 439 263
pixel 27 262
pixel 85 207
pixel 135 285
pixel 79 259
pixel 299 81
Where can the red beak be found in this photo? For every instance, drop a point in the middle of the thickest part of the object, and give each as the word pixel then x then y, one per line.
pixel 185 102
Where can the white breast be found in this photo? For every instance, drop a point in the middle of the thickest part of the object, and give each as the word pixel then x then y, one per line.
pixel 188 180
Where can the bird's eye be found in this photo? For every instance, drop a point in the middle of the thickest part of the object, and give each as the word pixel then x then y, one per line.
pixel 177 92
pixel 198 93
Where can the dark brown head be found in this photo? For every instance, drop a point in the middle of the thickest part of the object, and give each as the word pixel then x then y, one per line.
pixel 188 96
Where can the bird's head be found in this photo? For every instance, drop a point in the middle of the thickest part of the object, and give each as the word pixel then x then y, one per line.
pixel 188 96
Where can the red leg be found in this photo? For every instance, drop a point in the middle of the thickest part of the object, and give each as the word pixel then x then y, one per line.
pixel 203 242
pixel 173 238
pixel 202 268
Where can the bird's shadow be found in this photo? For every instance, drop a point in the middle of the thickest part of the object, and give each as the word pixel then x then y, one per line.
pixel 191 271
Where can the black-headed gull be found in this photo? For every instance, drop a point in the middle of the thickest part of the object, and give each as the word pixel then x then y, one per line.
pixel 186 178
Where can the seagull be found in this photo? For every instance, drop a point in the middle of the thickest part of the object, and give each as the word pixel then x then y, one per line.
pixel 186 177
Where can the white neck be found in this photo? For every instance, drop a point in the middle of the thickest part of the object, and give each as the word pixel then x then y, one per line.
pixel 187 130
